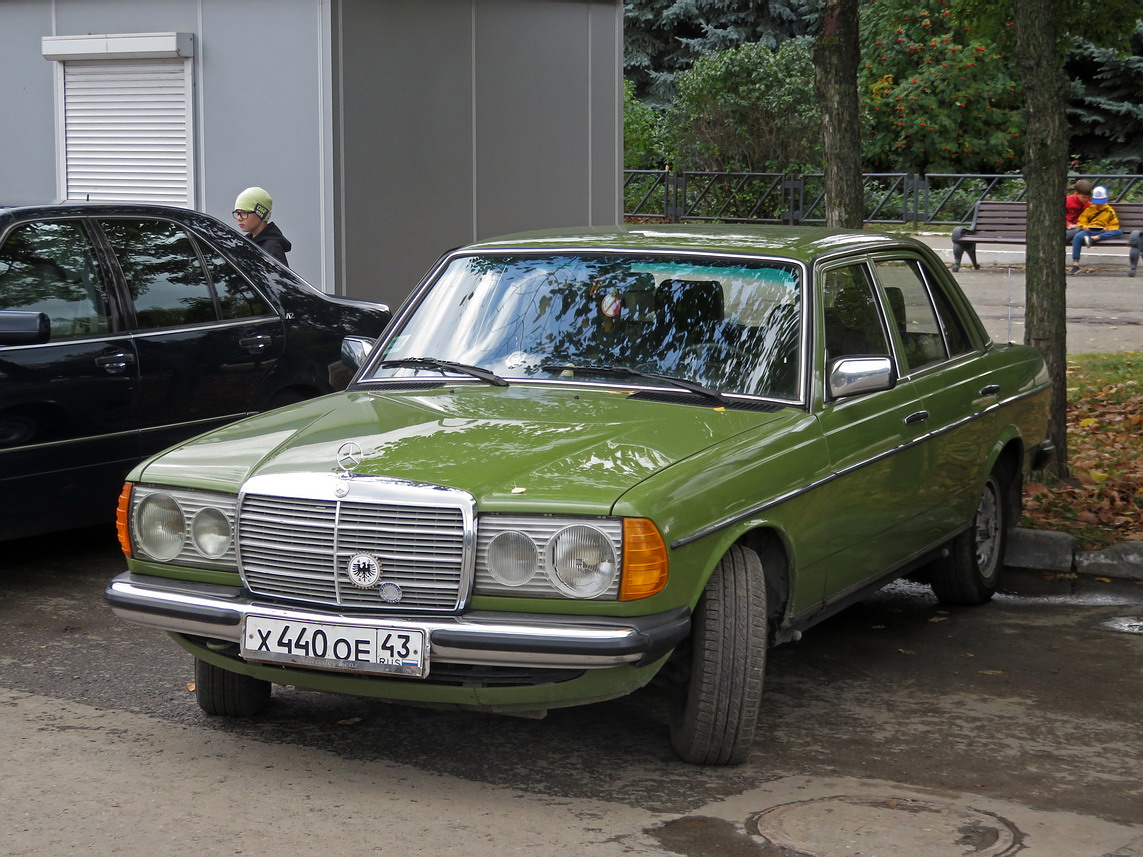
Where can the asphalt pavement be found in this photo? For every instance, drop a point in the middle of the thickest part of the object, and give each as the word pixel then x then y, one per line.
pixel 1105 314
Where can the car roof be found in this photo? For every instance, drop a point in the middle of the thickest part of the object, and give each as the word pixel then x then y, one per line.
pixel 800 242
pixel 74 208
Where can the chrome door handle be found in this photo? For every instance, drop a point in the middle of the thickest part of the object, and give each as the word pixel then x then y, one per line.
pixel 990 390
pixel 918 417
pixel 256 343
pixel 115 362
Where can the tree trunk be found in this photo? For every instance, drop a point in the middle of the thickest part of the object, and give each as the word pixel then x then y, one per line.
pixel 836 55
pixel 1040 60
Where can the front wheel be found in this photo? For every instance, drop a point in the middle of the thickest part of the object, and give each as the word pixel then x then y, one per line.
pixel 971 571
pixel 715 713
pixel 228 694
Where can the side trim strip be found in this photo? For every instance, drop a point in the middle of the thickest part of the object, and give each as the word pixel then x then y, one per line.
pixel 731 520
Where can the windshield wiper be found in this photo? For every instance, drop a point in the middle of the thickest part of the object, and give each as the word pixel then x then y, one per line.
pixel 444 366
pixel 629 372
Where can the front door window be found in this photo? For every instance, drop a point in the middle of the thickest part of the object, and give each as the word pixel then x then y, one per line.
pixel 49 267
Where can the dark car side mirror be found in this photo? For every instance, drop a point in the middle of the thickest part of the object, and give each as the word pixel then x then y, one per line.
pixel 850 376
pixel 355 351
pixel 24 328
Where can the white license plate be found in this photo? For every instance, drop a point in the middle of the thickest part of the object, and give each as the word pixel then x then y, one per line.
pixel 324 645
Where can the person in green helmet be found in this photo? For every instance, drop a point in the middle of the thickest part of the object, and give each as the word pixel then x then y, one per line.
pixel 252 212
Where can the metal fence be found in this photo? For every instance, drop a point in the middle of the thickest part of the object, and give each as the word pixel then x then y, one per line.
pixel 938 199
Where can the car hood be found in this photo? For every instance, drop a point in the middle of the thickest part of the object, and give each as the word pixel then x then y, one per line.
pixel 522 447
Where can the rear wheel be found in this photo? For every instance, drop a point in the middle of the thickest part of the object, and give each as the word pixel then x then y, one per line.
pixel 971 571
pixel 228 694
pixel 715 713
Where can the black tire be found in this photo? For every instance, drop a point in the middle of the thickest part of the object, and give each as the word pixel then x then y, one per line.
pixel 226 694
pixel 970 572
pixel 715 713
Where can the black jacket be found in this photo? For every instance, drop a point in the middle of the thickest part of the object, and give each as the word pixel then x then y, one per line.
pixel 273 242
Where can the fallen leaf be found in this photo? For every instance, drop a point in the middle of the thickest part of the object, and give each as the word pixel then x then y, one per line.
pixel 349 721
pixel 906 651
pixel 191 686
pixel 938 618
pixel 1104 579
pixel 992 672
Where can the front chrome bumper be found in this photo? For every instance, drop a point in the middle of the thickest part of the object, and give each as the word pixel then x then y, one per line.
pixel 477 637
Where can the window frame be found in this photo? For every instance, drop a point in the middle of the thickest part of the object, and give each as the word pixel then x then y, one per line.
pixel 128 54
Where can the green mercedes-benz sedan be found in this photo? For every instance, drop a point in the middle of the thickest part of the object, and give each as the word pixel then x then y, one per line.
pixel 579 459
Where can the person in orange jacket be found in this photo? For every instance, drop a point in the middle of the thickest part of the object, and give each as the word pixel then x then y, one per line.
pixel 1098 222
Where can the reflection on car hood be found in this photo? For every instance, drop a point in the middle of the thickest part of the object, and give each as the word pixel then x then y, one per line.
pixel 520 447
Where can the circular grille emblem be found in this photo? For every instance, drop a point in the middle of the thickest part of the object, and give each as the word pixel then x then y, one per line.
pixel 390 592
pixel 349 456
pixel 364 570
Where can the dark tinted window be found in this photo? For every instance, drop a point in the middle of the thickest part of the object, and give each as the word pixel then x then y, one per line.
pixel 238 298
pixel 49 267
pixel 955 334
pixel 163 272
pixel 852 323
pixel 912 313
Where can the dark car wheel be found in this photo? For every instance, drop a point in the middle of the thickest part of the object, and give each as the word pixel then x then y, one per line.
pixel 228 694
pixel 971 571
pixel 715 713
pixel 17 428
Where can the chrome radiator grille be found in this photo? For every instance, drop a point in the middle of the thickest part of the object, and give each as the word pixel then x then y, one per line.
pixel 300 548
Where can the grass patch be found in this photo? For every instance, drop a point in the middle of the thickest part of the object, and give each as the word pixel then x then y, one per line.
pixel 1102 501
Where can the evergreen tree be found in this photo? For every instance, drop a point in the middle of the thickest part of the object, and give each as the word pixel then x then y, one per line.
pixel 664 37
pixel 1105 112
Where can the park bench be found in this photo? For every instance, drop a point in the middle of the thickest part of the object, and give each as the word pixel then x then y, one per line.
pixel 995 222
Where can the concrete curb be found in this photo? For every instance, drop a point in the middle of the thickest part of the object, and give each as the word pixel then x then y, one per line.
pixel 1045 550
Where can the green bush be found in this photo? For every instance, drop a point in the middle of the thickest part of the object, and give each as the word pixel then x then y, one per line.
pixel 641 147
pixel 749 109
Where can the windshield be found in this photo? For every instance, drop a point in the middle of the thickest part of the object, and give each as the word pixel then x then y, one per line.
pixel 730 325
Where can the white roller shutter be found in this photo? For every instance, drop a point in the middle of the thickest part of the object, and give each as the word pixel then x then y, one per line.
pixel 127 131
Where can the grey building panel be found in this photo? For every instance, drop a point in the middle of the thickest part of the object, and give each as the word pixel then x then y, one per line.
pixel 125 16
pixel 406 139
pixel 27 146
pixel 533 109
pixel 261 101
pixel 606 136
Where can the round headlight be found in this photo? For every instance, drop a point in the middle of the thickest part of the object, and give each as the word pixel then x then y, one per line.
pixel 512 558
pixel 161 528
pixel 210 532
pixel 582 561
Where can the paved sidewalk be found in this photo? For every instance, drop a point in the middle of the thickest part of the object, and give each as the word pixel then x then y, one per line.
pixel 1105 306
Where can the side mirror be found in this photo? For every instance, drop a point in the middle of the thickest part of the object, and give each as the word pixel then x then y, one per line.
pixel 355 351
pixel 851 376
pixel 24 328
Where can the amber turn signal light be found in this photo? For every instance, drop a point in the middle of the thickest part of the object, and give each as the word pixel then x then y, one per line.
pixel 121 512
pixel 644 560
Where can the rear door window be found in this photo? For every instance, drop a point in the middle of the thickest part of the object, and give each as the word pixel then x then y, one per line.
pixel 164 275
pixel 237 298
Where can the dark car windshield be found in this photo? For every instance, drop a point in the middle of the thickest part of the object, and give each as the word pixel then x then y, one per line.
pixel 729 325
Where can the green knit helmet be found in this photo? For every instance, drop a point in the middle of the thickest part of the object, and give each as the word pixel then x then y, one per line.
pixel 255 199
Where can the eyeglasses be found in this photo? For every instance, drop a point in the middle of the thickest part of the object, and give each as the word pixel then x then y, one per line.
pixel 239 214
